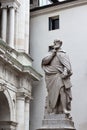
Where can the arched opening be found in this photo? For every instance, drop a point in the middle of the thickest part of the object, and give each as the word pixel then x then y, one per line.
pixel 4 108
pixel 6 112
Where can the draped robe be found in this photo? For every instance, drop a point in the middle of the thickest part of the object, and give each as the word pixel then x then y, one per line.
pixel 53 76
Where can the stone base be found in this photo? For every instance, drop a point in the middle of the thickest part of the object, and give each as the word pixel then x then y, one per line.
pixel 57 122
pixel 8 125
pixel 42 128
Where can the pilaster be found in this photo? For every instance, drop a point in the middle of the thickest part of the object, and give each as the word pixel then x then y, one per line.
pixel 27 113
pixel 23 111
pixel 20 111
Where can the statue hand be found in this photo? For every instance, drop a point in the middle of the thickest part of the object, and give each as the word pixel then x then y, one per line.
pixel 53 52
pixel 64 75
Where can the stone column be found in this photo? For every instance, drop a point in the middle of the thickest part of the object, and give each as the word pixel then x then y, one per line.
pixel 11 26
pixel 4 24
pixel 27 111
pixel 27 19
pixel 20 111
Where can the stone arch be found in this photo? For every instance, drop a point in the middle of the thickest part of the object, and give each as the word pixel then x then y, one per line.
pixel 10 104
pixel 4 108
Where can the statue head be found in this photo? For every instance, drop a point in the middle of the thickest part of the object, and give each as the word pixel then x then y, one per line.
pixel 57 44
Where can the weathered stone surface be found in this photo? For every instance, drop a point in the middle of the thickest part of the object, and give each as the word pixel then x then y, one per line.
pixel 57 122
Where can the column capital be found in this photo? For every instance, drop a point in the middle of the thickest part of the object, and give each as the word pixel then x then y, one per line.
pixel 23 95
pixel 10 4
pixel 3 7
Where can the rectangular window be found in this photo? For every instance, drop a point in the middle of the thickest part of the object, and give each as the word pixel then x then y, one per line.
pixel 54 23
pixel 31 1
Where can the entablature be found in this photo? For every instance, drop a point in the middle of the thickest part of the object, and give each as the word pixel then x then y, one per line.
pixel 10 57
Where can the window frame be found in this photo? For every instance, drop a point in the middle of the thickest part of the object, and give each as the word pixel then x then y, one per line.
pixel 31 2
pixel 52 24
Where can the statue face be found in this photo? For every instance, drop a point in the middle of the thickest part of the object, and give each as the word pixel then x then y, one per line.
pixel 57 44
pixel 51 48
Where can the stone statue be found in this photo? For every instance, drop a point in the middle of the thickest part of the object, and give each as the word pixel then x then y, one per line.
pixel 57 68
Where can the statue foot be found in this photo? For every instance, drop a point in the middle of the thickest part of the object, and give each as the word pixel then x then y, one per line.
pixel 66 112
pixel 70 117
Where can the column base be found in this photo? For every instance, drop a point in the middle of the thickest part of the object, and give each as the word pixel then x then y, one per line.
pixel 8 125
pixel 57 122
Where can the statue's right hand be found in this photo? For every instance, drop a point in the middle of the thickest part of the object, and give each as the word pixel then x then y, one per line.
pixel 54 52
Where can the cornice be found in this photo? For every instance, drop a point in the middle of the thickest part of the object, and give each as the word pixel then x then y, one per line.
pixel 57 7
pixel 26 55
pixel 10 60
pixel 32 71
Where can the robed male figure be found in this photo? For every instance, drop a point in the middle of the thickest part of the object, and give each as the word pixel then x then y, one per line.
pixel 57 68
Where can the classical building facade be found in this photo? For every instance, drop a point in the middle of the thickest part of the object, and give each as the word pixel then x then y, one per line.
pixel 16 72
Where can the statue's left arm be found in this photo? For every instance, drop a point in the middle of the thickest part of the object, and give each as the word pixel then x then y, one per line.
pixel 65 61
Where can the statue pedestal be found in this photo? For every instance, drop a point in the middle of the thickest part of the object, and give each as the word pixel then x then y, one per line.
pixel 57 122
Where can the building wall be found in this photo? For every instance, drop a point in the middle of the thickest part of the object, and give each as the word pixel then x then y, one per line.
pixel 22 26
pixel 73 33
